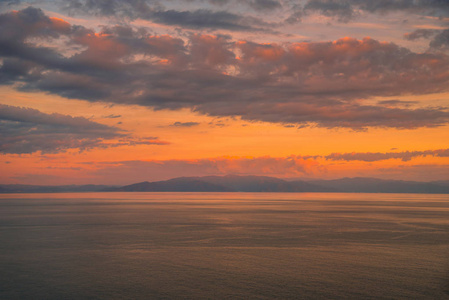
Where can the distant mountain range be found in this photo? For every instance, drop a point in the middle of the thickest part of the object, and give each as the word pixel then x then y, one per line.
pixel 234 183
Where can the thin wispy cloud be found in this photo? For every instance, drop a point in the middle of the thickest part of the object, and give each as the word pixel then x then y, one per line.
pixel 185 124
pixel 377 156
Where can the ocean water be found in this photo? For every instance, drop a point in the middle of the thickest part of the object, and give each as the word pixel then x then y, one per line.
pixel 224 246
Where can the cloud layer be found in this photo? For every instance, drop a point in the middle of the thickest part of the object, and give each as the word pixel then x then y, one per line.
pixel 345 10
pixel 27 130
pixel 315 83
pixel 377 156
pixel 157 11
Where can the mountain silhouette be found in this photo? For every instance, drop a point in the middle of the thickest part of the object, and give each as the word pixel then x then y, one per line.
pixel 235 183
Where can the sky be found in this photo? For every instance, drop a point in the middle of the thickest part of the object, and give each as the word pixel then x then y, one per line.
pixel 117 92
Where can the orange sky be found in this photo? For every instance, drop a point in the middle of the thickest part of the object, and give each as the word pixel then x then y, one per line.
pixel 158 98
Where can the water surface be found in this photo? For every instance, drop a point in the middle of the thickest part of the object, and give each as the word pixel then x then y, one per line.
pixel 224 245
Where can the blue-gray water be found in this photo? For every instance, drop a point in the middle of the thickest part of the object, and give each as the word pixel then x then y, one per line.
pixel 224 245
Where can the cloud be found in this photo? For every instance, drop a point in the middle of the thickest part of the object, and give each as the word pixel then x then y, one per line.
pixel 265 4
pixel 377 156
pixel 441 40
pixel 210 50
pixel 9 2
pixel 295 16
pixel 185 124
pixel 112 116
pixel 420 33
pixel 133 141
pixel 153 11
pixel 308 83
pixel 30 22
pixel 396 102
pixel 345 10
pixel 131 9
pixel 342 10
pixel 207 19
pixel 27 130
pixel 219 123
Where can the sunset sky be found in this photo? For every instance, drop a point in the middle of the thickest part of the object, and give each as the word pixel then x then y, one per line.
pixel 118 92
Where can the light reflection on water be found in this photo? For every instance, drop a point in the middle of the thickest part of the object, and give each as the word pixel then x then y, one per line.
pixel 223 245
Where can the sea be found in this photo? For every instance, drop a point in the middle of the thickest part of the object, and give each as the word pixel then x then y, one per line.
pixel 224 246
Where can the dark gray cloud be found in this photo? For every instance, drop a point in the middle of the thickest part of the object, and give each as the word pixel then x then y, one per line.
pixel 27 130
pixel 185 124
pixel 112 116
pixel 376 156
pixel 357 117
pixel 67 124
pixel 207 19
pixel 31 22
pixel 131 9
pixel 218 2
pixel 296 16
pixel 396 102
pixel 441 40
pixel 9 2
pixel 196 19
pixel 258 5
pixel 265 4
pixel 424 7
pixel 420 33
pixel 225 16
pixel 345 10
pixel 217 123
pixel 317 83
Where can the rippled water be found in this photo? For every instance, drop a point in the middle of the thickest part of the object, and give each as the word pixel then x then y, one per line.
pixel 224 245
